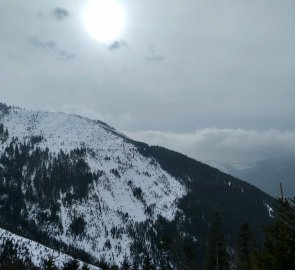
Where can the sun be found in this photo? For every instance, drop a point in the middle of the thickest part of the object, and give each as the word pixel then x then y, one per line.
pixel 104 20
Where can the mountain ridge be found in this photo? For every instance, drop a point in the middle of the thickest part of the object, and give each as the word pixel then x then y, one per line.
pixel 83 183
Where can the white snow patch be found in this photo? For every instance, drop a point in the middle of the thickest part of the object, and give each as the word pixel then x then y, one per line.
pixel 270 210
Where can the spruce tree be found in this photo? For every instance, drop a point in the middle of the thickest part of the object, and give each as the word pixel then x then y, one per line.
pixel 217 257
pixel 85 267
pixel 1 129
pixel 164 262
pixel 135 265
pixel 125 265
pixel 246 248
pixel 103 264
pixel 48 264
pixel 71 265
pixel 189 258
pixel 5 135
pixel 147 263
pixel 9 253
pixel 279 246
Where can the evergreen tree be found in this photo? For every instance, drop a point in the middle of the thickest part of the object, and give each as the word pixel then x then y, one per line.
pixel 48 264
pixel 189 258
pixel 71 265
pixel 4 136
pixel 164 263
pixel 103 264
pixel 1 129
pixel 85 267
pixel 279 246
pixel 17 155
pixel 217 257
pixel 147 263
pixel 125 265
pixel 246 248
pixel 135 265
pixel 9 253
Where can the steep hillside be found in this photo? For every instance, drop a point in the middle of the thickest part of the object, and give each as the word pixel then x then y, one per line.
pixel 210 190
pixel 70 181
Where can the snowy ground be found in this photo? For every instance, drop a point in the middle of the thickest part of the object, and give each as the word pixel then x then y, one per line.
pixel 36 251
pixel 111 199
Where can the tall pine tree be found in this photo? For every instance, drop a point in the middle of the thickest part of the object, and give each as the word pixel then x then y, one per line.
pixel 279 246
pixel 164 262
pixel 71 265
pixel 48 264
pixel 147 263
pixel 125 265
pixel 85 267
pixel 246 248
pixel 135 264
pixel 217 257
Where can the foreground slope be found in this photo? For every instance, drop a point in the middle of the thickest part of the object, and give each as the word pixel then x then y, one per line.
pixel 37 253
pixel 80 183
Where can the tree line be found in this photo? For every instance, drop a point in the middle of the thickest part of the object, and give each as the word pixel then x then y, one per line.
pixel 277 253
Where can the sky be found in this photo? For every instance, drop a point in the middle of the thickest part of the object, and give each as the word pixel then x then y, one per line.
pixel 211 79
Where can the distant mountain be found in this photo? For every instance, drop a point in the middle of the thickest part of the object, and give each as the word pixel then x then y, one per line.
pixel 266 174
pixel 80 186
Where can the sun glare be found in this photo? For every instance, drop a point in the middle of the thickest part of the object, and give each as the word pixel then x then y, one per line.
pixel 104 20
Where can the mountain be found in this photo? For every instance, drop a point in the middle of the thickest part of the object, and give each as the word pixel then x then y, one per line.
pixel 265 174
pixel 83 188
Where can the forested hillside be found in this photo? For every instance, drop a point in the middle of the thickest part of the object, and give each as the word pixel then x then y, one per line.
pixel 80 187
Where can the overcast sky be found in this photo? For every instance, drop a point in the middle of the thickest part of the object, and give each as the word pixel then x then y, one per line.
pixel 213 79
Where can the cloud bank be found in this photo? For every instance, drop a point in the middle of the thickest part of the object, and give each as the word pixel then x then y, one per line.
pixel 230 145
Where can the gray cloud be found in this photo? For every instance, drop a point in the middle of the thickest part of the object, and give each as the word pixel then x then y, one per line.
pixel 60 13
pixel 118 44
pixel 52 47
pixel 232 145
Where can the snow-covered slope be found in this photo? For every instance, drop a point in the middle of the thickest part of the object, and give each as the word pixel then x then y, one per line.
pixel 110 203
pixel 36 252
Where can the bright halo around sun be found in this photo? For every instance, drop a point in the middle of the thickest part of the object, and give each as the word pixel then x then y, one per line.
pixel 104 20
